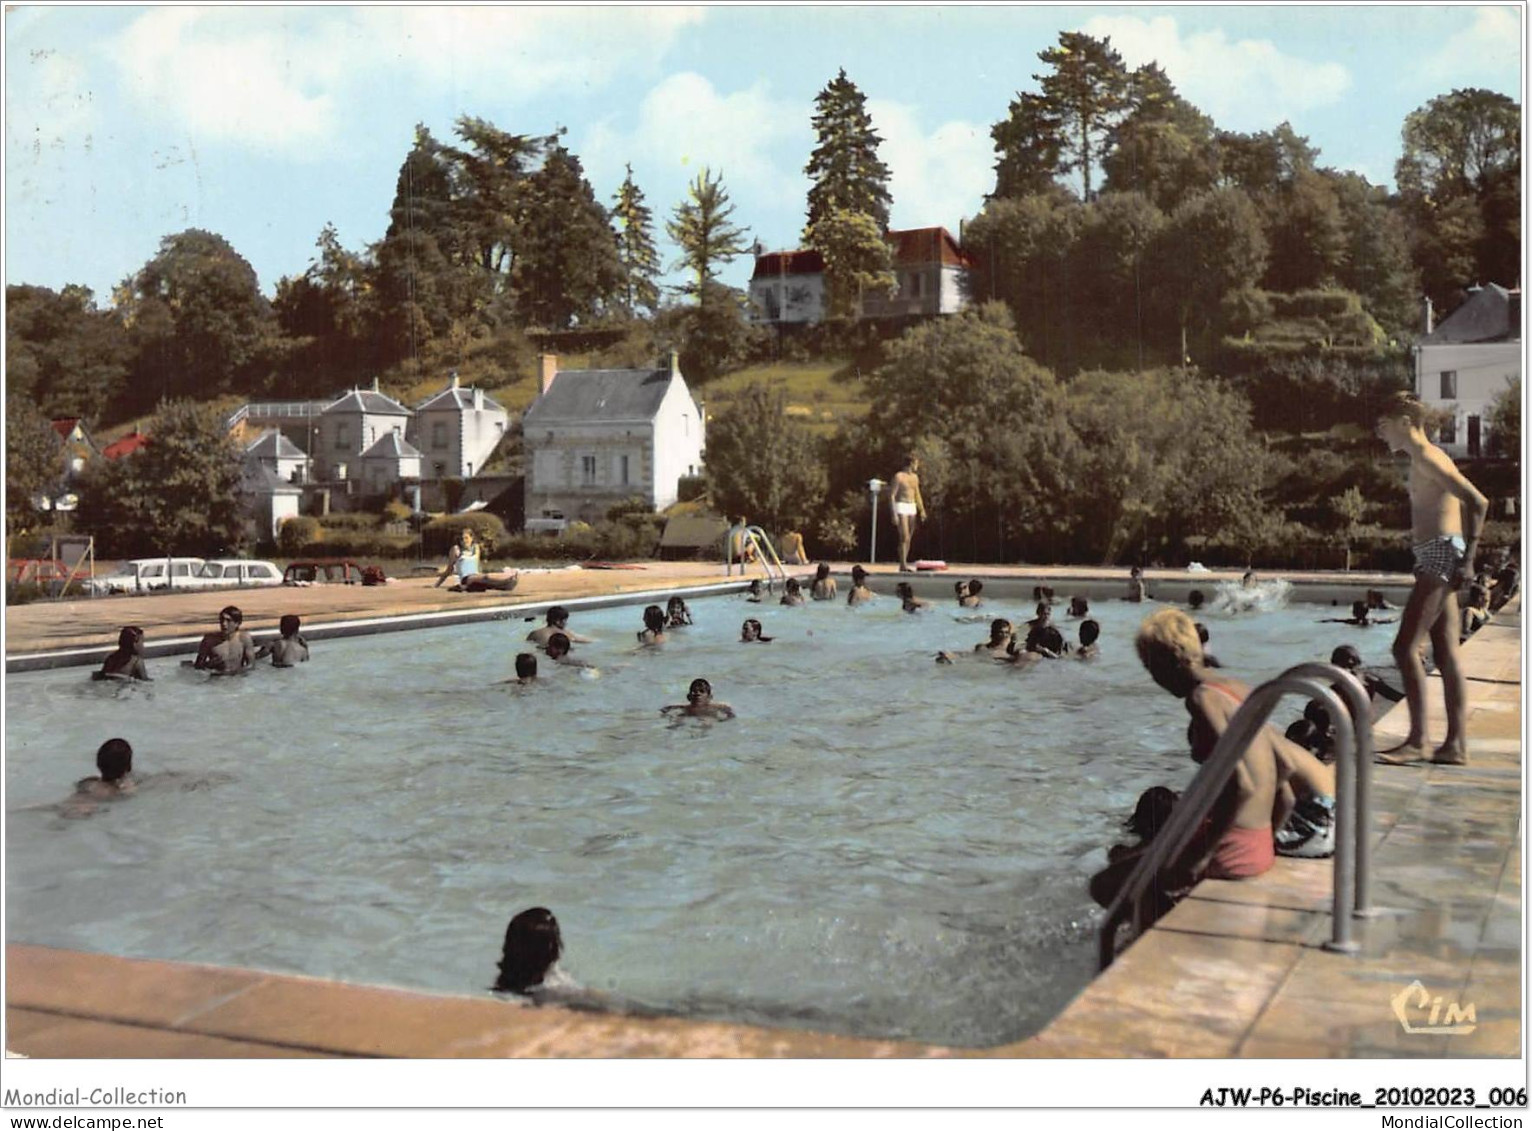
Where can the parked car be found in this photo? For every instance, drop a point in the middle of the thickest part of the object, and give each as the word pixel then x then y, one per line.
pixel 227 573
pixel 140 575
pixel 551 521
pixel 323 571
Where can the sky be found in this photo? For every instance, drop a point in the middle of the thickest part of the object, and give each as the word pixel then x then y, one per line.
pixel 127 124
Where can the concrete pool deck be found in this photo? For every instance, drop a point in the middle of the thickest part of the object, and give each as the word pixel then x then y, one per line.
pixel 1235 970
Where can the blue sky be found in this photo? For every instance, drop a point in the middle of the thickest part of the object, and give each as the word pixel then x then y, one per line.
pixel 124 125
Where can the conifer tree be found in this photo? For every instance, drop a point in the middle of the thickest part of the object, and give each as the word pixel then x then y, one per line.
pixel 703 231
pixel 635 248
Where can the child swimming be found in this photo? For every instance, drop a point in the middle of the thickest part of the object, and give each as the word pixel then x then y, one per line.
pixel 288 649
pixel 750 633
pixel 700 703
pixel 128 661
pixel 654 627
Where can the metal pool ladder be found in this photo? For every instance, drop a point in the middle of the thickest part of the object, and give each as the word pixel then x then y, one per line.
pixel 1353 800
pixel 742 534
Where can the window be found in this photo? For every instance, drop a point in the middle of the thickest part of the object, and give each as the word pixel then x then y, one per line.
pixel 1475 437
pixel 588 471
pixel 914 284
pixel 180 569
pixel 622 471
pixel 1449 384
pixel 439 434
pixel 342 436
pixel 1449 428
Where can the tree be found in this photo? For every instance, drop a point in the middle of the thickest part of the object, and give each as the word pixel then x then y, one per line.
pixel 844 167
pixel 1348 509
pixel 32 466
pixel 1263 164
pixel 181 493
pixel 197 311
pixel 327 315
pixel 1109 264
pixel 857 260
pixel 1164 147
pixel 763 464
pixel 713 336
pixel 568 268
pixel 1307 235
pixel 1212 245
pixel 1376 263
pixel 71 358
pixel 1504 420
pixel 703 231
pixel 636 255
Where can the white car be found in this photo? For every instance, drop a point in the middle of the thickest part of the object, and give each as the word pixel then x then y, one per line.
pixel 228 573
pixel 140 575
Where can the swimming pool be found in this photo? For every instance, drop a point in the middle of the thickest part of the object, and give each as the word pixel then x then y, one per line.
pixel 877 845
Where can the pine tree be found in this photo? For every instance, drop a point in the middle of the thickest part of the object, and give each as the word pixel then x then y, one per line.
pixel 844 166
pixel 635 248
pixel 702 230
pixel 567 269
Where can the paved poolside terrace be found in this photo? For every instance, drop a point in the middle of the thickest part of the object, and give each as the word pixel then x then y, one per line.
pixel 1235 970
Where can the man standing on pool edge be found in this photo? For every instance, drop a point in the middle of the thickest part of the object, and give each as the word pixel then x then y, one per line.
pixel 1446 514
pixel 907 503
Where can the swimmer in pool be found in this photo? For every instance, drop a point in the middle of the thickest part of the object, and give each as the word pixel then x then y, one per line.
pixel 114 780
pixel 1196 599
pixel 1044 616
pixel 1136 589
pixel 1208 659
pixel 1359 617
pixel 907 599
pixel 526 669
pixel 128 661
pixel 968 593
pixel 792 596
pixel 859 591
pixel 677 615
pixel 229 650
pixel 755 594
pixel 1001 632
pixel 750 633
pixel 1047 641
pixel 699 704
pixel 289 648
pixel 558 621
pixel 558 653
pixel 528 965
pixel 1078 607
pixel 1089 649
pixel 654 627
pixel 823 588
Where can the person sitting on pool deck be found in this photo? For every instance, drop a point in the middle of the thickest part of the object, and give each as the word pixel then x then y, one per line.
pixel 504 580
pixel 677 615
pixel 750 633
pixel 907 599
pixel 1476 612
pixel 462 558
pixel 968 594
pixel 654 626
pixel 1078 607
pixel 558 653
pixel 287 649
pixel 700 703
pixel 859 591
pixel 1089 649
pixel 793 595
pixel 823 588
pixel 128 661
pixel 1447 513
pixel 229 650
pixel 558 621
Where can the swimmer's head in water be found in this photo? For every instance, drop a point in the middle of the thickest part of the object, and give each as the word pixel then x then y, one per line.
pixel 558 616
pixel 131 638
pixel 1045 636
pixel 822 571
pixel 1359 610
pixel 675 605
pixel 289 625
pixel 1346 656
pixel 1169 647
pixel 1043 610
pixel 1078 606
pixel 904 590
pixel 558 645
pixel 858 575
pixel 750 630
pixel 1202 632
pixel 755 586
pixel 1089 632
pixel 654 618
pixel 526 664
pixel 1136 572
pixel 999 629
pixel 700 691
pixel 975 587
pixel 1196 598
pixel 532 945
pixel 793 588
pixel 231 614
pixel 114 760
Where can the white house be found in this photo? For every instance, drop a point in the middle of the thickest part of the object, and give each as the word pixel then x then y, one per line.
pixel 271 500
pixel 457 430
pixel 351 425
pixel 788 286
pixel 594 437
pixel 388 461
pixel 279 455
pixel 1463 364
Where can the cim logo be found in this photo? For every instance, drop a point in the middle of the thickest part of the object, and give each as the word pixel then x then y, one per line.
pixel 1455 1019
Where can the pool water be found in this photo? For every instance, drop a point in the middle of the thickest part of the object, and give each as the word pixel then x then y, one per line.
pixel 876 845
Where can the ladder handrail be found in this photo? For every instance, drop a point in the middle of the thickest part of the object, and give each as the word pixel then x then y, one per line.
pixel 1352 797
pixel 755 534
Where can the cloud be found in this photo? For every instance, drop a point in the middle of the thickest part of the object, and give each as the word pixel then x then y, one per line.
pixel 1491 43
pixel 1245 84
pixel 48 100
pixel 290 78
pixel 935 178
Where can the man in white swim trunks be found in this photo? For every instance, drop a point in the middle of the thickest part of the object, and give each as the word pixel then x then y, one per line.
pixel 1446 515
pixel 907 503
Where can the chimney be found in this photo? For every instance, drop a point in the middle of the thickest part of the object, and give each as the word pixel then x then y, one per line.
pixel 1430 318
pixel 454 378
pixel 673 362
pixel 478 400
pixel 375 385
pixel 548 369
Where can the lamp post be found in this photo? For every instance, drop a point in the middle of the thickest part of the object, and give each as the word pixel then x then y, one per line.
pixel 874 486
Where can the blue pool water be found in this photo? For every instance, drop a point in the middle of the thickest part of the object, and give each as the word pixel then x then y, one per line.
pixel 877 845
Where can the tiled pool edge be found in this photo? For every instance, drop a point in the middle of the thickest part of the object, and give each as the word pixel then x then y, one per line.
pixel 1233 971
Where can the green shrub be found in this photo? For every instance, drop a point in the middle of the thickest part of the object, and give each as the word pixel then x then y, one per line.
pixel 367 544
pixel 349 521
pixel 297 533
pixel 439 535
pixel 1315 304
pixel 396 511
pixel 690 488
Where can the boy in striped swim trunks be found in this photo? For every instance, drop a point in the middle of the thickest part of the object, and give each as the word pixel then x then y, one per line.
pixel 1446 514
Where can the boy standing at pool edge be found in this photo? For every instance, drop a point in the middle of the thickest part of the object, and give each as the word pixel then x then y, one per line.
pixel 1446 515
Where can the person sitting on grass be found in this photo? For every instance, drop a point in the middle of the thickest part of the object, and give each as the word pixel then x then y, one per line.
pixel 654 627
pixel 1090 631
pixel 699 704
pixel 750 633
pixel 558 621
pixel 823 588
pixel 128 661
pixel 859 591
pixel 793 594
pixel 907 599
pixel 289 648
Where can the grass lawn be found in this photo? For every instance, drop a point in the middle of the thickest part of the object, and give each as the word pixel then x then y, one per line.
pixel 819 394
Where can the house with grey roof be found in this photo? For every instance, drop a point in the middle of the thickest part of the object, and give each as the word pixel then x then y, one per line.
pixel 1462 365
pixel 386 463
pixel 279 455
pixel 594 437
pixel 350 425
pixel 457 430
pixel 269 499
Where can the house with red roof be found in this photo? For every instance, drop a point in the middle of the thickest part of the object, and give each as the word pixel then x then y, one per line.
pixel 787 287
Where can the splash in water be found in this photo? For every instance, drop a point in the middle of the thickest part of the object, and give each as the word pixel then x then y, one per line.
pixel 1260 597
